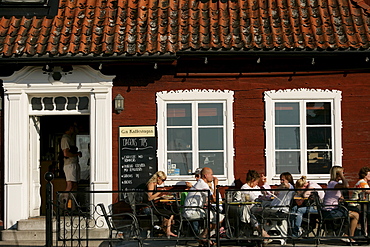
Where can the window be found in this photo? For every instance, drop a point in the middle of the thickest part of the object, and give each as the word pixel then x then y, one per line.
pixel 195 129
pixel 29 8
pixel 303 132
pixel 23 1
pixel 60 103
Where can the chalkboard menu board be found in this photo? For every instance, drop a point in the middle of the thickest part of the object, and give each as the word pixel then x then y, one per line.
pixel 137 157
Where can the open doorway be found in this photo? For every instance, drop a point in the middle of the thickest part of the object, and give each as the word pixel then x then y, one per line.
pixel 52 129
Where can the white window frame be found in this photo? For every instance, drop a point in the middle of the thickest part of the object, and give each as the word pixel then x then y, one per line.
pixel 65 110
pixel 24 2
pixel 294 95
pixel 201 96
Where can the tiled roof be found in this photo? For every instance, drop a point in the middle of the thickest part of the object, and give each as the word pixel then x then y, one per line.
pixel 144 27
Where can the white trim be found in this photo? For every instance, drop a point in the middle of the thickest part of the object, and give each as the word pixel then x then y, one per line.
pixel 33 81
pixel 301 94
pixel 203 96
pixel 34 153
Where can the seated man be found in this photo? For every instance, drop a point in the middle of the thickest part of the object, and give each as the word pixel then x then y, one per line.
pixel 252 194
pixel 196 202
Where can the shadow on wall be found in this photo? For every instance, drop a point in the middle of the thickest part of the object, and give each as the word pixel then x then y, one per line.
pixel 133 76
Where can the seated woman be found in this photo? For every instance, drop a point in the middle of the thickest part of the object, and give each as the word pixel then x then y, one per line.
pixel 362 183
pixel 301 206
pixel 331 199
pixel 284 197
pixel 252 180
pixel 157 179
pixel 362 193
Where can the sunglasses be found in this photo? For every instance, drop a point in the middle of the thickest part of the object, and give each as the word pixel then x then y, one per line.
pixel 162 179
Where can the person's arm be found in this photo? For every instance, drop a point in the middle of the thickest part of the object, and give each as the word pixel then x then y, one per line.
pixel 151 195
pixel 215 184
pixel 188 185
pixel 344 183
pixel 266 186
pixel 366 186
pixel 67 153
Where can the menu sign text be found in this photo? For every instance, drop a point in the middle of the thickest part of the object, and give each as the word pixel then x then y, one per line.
pixel 137 156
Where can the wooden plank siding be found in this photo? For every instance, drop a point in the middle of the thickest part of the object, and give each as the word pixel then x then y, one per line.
pixel 249 115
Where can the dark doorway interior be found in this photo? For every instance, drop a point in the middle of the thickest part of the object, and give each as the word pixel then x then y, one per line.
pixel 52 129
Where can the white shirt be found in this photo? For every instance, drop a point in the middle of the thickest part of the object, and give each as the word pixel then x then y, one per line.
pixel 196 199
pixel 67 142
pixel 284 197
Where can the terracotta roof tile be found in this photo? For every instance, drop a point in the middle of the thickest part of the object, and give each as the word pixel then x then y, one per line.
pixel 362 30
pixel 138 27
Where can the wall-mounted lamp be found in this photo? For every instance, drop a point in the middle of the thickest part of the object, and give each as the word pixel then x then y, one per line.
pixel 119 103
pixel 56 76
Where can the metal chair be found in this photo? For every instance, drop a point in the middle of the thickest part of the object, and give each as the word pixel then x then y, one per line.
pixel 311 219
pixel 147 221
pixel 193 215
pixel 276 217
pixel 121 225
pixel 190 226
pixel 329 224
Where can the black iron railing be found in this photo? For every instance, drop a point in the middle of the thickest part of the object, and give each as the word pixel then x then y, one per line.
pixel 238 217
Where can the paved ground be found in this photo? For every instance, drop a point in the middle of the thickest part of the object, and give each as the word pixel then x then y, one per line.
pixel 300 243
pixel 167 243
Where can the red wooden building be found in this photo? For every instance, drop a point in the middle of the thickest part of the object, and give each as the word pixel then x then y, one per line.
pixel 269 85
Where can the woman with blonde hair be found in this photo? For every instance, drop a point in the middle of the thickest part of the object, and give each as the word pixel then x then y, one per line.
pixel 332 196
pixel 158 179
pixel 302 183
pixel 300 205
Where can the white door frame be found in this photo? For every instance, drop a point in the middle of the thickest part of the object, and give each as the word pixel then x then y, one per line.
pixel 34 152
pixel 21 164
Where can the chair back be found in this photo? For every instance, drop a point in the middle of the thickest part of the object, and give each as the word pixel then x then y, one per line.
pixel 108 218
pixel 317 203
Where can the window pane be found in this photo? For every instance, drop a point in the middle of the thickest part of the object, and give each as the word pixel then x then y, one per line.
pixel 36 104
pixel 211 139
pixel 23 1
pixel 319 138
pixel 210 114
pixel 60 103
pixel 286 113
pixel 179 139
pixel 72 103
pixel 319 162
pixel 288 162
pixel 213 160
pixel 48 103
pixel 287 138
pixel 83 103
pixel 178 114
pixel 179 164
pixel 318 113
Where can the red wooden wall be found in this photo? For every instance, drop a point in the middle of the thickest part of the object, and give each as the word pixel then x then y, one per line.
pixel 249 140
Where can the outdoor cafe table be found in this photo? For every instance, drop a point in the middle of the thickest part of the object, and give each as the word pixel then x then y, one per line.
pixel 364 204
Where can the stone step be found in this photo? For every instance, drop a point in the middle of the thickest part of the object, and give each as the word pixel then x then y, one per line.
pixel 37 223
pixel 41 243
pixel 33 229
pixel 25 235
pixel 40 235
